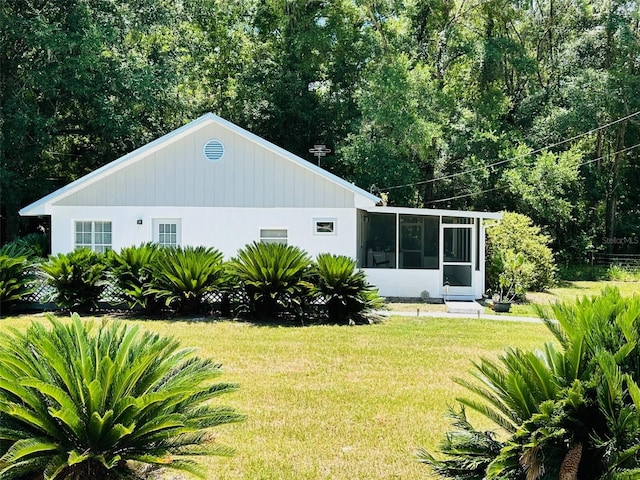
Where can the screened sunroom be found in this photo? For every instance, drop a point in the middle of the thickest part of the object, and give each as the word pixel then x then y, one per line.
pixel 410 252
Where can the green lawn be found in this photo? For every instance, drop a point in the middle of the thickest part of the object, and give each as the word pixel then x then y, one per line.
pixel 569 292
pixel 565 292
pixel 333 402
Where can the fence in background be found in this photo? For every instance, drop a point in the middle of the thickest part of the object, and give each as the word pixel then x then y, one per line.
pixel 624 260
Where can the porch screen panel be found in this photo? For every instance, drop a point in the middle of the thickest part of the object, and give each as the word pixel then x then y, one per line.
pixel 457 245
pixel 431 259
pixel 457 220
pixel 457 275
pixel 419 242
pixel 380 240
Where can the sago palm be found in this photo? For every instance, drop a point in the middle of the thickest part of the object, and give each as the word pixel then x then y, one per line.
pixel 183 276
pixel 569 413
pixel 344 288
pixel 33 246
pixel 78 279
pixel 274 276
pixel 80 401
pixel 16 280
pixel 130 270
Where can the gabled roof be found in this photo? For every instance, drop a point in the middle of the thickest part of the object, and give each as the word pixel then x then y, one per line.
pixel 41 207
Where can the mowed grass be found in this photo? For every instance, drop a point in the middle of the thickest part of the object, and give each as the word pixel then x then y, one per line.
pixel 565 292
pixel 569 292
pixel 337 402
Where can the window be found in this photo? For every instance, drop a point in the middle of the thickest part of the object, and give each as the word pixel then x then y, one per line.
pixel 324 226
pixel 273 235
pixel 166 232
pixel 95 236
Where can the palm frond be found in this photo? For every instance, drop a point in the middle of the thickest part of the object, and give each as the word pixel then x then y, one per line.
pixel 121 394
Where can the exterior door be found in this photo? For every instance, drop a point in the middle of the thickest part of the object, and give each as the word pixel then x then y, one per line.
pixel 166 232
pixel 457 260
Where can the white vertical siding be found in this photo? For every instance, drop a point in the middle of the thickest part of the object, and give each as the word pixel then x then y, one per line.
pixel 248 175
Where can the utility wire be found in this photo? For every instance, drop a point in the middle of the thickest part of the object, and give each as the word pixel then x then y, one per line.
pixel 575 137
pixel 505 186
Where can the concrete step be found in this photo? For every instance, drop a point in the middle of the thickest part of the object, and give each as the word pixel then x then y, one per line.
pixel 467 308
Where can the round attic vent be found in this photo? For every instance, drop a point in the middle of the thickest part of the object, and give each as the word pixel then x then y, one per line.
pixel 213 150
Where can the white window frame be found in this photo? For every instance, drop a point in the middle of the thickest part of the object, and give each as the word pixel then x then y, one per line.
pixel 319 231
pixel 267 235
pixel 157 239
pixel 96 239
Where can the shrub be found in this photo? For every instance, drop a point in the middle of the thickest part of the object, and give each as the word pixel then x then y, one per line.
pixel 345 290
pixel 582 272
pixel 568 412
pixel 516 232
pixel 617 273
pixel 130 270
pixel 34 245
pixel 274 276
pixel 183 276
pixel 84 403
pixel 16 280
pixel 78 279
pixel 515 277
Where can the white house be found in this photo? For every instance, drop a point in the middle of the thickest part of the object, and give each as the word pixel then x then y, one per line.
pixel 213 183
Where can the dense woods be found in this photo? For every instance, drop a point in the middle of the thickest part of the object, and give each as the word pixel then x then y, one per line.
pixel 530 106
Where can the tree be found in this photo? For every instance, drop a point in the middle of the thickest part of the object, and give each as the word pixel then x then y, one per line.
pixel 81 83
pixel 435 95
pixel 397 141
pixel 545 189
pixel 305 62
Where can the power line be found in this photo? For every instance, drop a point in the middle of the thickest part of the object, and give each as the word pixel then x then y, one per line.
pixel 505 186
pixel 453 175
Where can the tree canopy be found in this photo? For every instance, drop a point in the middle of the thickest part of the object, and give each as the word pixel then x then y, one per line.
pixel 498 104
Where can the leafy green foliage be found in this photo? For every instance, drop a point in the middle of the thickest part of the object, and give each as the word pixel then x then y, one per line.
pixel 572 412
pixel 182 276
pixel 474 450
pixel 77 277
pixel 622 274
pixel 345 290
pixel 516 233
pixel 34 245
pixel 547 190
pixel 274 276
pixel 397 141
pixel 77 99
pixel 515 276
pixel 16 280
pixel 478 93
pixel 131 270
pixel 80 401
